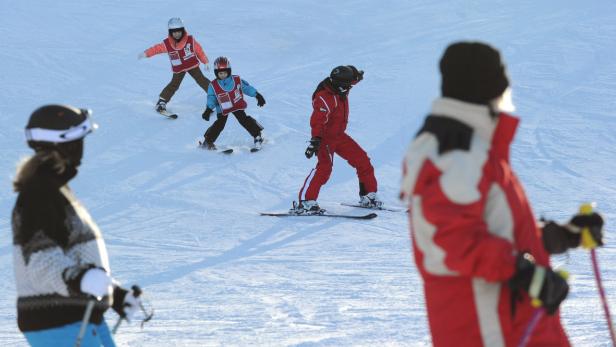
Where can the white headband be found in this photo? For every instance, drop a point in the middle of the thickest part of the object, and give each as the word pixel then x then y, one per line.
pixel 59 136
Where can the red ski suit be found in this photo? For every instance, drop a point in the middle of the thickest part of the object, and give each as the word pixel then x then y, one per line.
pixel 328 121
pixel 469 217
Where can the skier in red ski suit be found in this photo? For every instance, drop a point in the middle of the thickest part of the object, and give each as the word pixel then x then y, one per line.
pixel 480 251
pixel 328 121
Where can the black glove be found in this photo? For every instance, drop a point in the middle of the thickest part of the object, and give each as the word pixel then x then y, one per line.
pixel 559 238
pixel 549 287
pixel 260 100
pixel 126 303
pixel 359 74
pixel 313 147
pixel 206 114
pixel 594 223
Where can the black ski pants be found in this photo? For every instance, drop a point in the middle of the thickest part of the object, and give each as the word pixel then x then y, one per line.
pixel 250 124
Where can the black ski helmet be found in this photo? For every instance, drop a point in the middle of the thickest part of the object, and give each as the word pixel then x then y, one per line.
pixel 342 77
pixel 58 126
pixel 61 128
pixel 473 72
pixel 222 64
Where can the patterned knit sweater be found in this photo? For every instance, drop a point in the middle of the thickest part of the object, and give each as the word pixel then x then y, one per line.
pixel 55 241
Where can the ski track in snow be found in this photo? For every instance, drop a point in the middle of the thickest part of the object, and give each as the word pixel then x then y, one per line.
pixel 184 223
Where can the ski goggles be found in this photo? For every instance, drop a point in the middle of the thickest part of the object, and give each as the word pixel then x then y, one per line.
pixel 73 133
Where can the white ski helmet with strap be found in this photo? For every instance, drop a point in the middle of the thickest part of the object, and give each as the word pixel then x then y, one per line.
pixel 175 23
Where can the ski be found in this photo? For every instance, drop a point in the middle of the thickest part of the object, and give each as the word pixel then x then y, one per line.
pixel 287 214
pixel 257 147
pixel 223 151
pixel 167 114
pixel 375 208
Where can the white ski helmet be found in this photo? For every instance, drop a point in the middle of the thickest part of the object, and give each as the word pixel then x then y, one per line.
pixel 175 23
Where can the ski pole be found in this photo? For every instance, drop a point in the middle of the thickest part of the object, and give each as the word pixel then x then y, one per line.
pixel 588 242
pixel 534 319
pixel 537 313
pixel 116 326
pixel 85 321
pixel 136 293
pixel 147 315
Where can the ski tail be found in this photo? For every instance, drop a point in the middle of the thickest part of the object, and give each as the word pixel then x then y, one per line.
pixel 375 208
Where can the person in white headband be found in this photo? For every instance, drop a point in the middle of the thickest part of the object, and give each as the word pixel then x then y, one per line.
pixel 62 272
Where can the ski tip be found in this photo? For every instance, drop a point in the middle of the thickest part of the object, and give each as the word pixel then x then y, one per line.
pixel 167 114
pixel 274 214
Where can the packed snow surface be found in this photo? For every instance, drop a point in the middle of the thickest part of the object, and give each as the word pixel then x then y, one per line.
pixel 183 223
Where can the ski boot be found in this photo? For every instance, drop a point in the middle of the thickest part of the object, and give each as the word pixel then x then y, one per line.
pixel 207 145
pixel 258 142
pixel 370 200
pixel 306 207
pixel 161 106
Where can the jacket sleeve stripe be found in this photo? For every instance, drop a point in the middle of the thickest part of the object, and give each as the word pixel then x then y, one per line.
pixel 328 110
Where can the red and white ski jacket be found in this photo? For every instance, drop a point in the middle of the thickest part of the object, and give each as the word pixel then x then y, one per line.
pixel 469 217
pixel 330 113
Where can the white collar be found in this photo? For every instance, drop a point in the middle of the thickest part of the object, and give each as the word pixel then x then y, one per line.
pixel 476 116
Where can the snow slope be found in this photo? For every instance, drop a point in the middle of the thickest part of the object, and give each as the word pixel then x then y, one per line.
pixel 183 223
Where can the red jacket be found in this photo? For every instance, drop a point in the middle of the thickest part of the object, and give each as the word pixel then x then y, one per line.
pixel 330 113
pixel 469 218
pixel 160 48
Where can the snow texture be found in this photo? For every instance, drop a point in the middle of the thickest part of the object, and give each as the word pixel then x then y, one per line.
pixel 183 223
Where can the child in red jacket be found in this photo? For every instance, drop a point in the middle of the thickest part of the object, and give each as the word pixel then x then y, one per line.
pixel 185 54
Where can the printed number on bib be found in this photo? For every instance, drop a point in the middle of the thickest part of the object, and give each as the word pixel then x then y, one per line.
pixel 175 58
pixel 225 101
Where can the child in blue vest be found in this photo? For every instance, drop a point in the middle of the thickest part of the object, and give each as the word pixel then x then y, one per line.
pixel 226 95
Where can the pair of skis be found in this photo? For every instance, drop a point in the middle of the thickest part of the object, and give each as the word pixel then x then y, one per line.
pixel 325 214
pixel 171 115
pixel 227 150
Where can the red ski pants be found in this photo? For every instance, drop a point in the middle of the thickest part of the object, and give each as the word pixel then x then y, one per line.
pixel 348 150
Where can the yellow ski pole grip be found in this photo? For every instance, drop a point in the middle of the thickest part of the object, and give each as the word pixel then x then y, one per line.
pixel 563 273
pixel 587 241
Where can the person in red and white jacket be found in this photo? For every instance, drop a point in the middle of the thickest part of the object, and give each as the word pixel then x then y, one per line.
pixel 328 122
pixel 185 55
pixel 480 251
